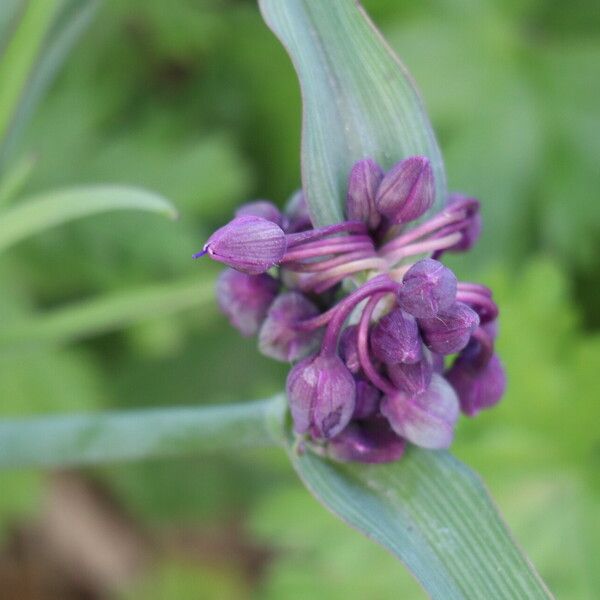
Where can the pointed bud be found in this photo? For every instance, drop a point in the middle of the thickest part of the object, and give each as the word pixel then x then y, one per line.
pixel 427 288
pixel 367 400
pixel 321 393
pixel 450 330
pixel 412 379
pixel 248 244
pixel 396 338
pixel 371 442
pixel 279 337
pixel 407 190
pixel 261 208
pixel 245 299
pixel 297 215
pixel 478 387
pixel 426 419
pixel 470 227
pixel 348 348
pixel 363 182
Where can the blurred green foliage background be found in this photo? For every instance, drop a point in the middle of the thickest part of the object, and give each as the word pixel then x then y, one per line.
pixel 197 100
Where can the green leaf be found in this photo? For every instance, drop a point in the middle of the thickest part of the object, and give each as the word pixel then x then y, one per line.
pixel 43 36
pixel 135 435
pixel 49 209
pixel 112 312
pixel 358 99
pixel 434 514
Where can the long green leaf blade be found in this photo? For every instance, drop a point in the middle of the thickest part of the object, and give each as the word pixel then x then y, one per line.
pixel 358 99
pixel 42 39
pixel 112 312
pixel 49 209
pixel 137 435
pixel 435 515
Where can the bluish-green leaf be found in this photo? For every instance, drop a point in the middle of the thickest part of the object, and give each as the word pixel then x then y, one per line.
pixel 48 209
pixel 435 515
pixel 135 435
pixel 358 99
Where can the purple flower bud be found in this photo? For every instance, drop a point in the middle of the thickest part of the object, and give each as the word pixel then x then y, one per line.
pixel 297 215
pixel 427 288
pixel 450 330
pixel 248 244
pixel 321 392
pixel 437 362
pixel 261 208
pixel 412 379
pixel 426 419
pixel 396 338
pixel 471 227
pixel 478 386
pixel 362 187
pixel 279 338
pixel 371 441
pixel 348 348
pixel 245 299
pixel 367 400
pixel 407 190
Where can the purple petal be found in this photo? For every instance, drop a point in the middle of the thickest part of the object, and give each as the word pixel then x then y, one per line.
pixel 248 244
pixel 426 419
pixel 450 330
pixel 321 392
pixel 412 379
pixel 363 182
pixel 407 190
pixel 370 441
pixel 367 400
pixel 427 288
pixel 396 338
pixel 278 337
pixel 245 299
pixel 477 388
pixel 261 208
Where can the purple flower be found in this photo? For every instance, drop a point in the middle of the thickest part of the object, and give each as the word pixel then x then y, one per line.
pixel 371 441
pixel 245 299
pixel 428 287
pixel 349 348
pixel 363 182
pixel 367 399
pixel 248 244
pixel 412 378
pixel 450 330
pixel 321 392
pixel 477 376
pixel 376 318
pixel 297 215
pixel 279 335
pixel 261 208
pixel 396 338
pixel 407 190
pixel 426 419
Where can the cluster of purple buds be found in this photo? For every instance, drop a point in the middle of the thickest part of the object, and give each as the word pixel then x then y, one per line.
pixel 388 347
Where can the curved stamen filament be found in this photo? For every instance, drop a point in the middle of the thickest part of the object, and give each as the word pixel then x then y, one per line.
pixel 323 265
pixel 363 348
pixel 325 249
pixel 293 239
pixel 482 303
pixel 326 279
pixel 422 247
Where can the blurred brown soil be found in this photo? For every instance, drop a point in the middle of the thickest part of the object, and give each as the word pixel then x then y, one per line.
pixel 83 546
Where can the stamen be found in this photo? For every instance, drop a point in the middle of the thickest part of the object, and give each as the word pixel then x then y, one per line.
pixel 327 279
pixel 314 267
pixel 293 239
pixel 482 303
pixel 423 247
pixel 381 283
pixel 325 249
pixel 363 348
